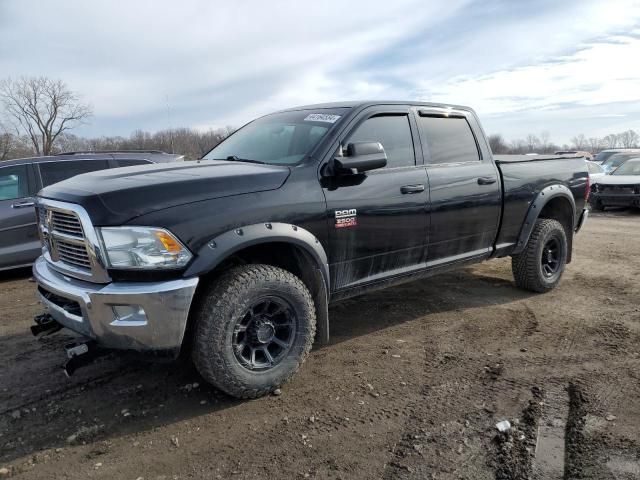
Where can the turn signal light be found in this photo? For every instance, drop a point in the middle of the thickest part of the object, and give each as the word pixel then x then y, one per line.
pixel 168 241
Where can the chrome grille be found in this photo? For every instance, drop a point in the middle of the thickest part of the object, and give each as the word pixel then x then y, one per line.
pixel 72 253
pixel 70 243
pixel 66 223
pixel 63 237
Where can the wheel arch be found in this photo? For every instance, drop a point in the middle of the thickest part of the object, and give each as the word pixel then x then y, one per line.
pixel 282 245
pixel 554 202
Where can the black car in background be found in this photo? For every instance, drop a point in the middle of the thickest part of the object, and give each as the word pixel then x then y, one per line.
pixel 22 178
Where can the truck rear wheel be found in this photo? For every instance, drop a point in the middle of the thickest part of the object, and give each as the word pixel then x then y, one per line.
pixel 253 330
pixel 539 267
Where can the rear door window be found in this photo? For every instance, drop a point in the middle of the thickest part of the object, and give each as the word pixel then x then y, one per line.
pixel 54 172
pixel 14 182
pixel 448 140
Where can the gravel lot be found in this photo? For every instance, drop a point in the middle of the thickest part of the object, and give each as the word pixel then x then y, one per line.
pixel 411 386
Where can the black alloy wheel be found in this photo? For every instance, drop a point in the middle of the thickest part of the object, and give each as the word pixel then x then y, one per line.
pixel 539 266
pixel 263 336
pixel 550 260
pixel 254 326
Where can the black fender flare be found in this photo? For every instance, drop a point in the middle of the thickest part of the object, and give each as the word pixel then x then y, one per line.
pixel 222 246
pixel 544 196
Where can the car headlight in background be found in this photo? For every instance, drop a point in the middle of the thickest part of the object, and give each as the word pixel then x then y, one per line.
pixel 142 248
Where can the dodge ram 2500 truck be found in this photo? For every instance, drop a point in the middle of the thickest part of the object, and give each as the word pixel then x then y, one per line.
pixel 236 257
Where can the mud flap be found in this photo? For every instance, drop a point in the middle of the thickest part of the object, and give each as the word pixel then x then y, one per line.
pixel 321 300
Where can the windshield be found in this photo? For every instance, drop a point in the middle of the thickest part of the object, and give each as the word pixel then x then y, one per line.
pixel 602 156
pixel 278 139
pixel 594 168
pixel 618 159
pixel 632 167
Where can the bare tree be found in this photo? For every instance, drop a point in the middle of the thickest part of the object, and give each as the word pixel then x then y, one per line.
pixel 6 145
pixel 533 142
pixel 595 144
pixel 610 141
pixel 628 139
pixel 43 109
pixel 545 141
pixel 579 142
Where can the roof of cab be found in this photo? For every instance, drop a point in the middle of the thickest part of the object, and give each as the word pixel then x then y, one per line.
pixel 369 103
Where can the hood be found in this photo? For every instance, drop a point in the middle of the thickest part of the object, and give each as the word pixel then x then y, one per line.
pixel 619 180
pixel 112 197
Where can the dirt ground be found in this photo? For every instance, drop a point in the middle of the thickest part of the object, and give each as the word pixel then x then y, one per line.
pixel 412 386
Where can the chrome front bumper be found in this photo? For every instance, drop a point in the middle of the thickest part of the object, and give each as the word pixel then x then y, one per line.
pixel 142 316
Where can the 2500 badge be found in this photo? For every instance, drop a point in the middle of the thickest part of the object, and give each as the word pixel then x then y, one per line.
pixel 346 218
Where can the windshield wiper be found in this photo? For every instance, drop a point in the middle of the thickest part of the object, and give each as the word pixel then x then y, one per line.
pixel 235 158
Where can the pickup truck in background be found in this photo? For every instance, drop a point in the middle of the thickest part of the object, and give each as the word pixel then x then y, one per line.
pixel 234 259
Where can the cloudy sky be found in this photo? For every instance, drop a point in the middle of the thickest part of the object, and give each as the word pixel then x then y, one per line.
pixel 567 67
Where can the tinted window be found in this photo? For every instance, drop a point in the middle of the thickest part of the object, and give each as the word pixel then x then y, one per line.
pixel 54 172
pixel 131 163
pixel 393 133
pixel 13 182
pixel 448 140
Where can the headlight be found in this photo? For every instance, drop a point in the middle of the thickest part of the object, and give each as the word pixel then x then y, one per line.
pixel 142 248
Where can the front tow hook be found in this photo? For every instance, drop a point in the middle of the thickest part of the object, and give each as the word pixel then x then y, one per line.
pixel 81 354
pixel 45 325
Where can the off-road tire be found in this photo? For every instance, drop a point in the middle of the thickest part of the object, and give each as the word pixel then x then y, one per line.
pixel 228 297
pixel 526 266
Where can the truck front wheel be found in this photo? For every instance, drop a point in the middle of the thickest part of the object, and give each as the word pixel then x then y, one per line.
pixel 253 330
pixel 539 267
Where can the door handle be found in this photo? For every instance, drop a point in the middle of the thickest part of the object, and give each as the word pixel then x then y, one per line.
pixel 23 205
pixel 408 189
pixel 486 180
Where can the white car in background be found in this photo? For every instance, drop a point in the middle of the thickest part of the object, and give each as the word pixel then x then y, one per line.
pixel 621 188
pixel 595 171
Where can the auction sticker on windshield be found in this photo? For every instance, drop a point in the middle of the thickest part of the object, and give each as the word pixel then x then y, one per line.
pixel 321 117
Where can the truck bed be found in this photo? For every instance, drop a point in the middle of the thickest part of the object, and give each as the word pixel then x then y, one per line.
pixel 523 177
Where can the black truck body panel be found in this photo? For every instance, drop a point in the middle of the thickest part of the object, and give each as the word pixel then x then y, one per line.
pixel 453 214
pixel 115 197
pixel 524 178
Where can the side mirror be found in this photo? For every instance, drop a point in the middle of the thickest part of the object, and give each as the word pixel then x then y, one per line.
pixel 361 157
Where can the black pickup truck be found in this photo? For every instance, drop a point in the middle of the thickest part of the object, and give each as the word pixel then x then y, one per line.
pixel 235 258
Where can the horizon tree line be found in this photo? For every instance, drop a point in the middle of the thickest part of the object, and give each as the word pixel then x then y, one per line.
pixel 38 115
pixel 541 143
